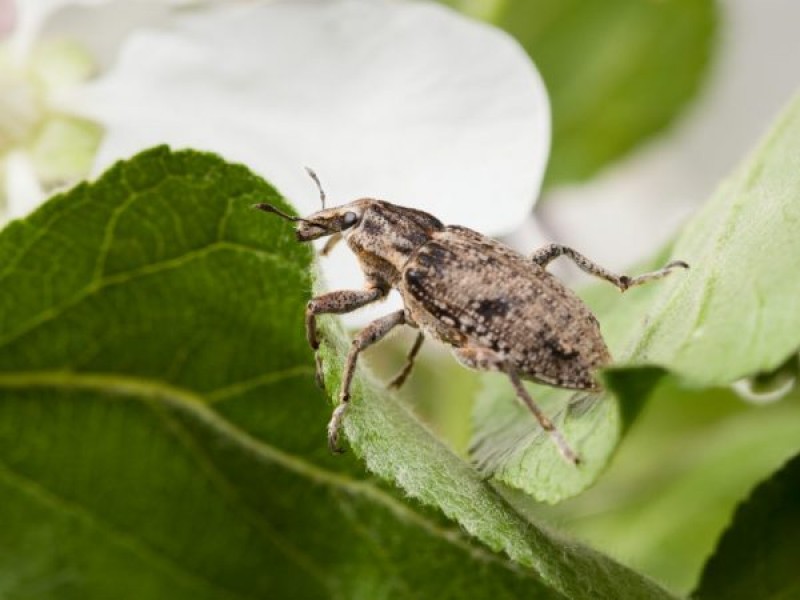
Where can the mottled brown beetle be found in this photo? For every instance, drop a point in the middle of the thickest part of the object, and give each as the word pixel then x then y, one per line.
pixel 497 309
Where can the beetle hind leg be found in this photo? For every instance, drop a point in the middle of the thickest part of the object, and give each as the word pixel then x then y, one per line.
pixel 484 359
pixel 546 254
pixel 399 379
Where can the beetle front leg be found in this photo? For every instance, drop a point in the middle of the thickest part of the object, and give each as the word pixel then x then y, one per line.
pixel 372 333
pixel 331 244
pixel 484 359
pixel 543 256
pixel 343 301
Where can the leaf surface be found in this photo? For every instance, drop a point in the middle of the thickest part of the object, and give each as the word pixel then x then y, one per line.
pixel 757 555
pixel 161 434
pixel 684 466
pixel 737 312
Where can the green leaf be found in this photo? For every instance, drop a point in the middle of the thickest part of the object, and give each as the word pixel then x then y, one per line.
pixel 673 485
pixel 161 435
pixel 509 445
pixel 734 314
pixel 617 71
pixel 757 556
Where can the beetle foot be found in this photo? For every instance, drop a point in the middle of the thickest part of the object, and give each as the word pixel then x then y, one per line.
pixel 335 428
pixel 677 264
pixel 397 382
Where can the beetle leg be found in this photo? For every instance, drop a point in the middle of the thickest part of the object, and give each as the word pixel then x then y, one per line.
pixel 484 359
pixel 653 275
pixel 543 256
pixel 400 378
pixel 372 333
pixel 343 301
pixel 567 452
pixel 330 244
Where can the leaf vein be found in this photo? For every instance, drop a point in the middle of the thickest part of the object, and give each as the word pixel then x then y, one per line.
pixel 237 388
pixel 223 485
pixel 127 276
pixel 54 501
pixel 186 400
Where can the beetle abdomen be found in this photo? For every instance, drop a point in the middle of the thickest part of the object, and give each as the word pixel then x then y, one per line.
pixel 466 289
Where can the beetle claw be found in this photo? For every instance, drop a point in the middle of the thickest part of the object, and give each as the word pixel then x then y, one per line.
pixel 334 429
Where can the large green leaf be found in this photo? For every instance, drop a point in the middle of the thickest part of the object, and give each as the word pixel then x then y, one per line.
pixel 735 313
pixel 161 434
pixel 677 478
pixel 757 556
pixel 617 71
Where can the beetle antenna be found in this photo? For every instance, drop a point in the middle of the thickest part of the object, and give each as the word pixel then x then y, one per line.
pixel 313 176
pixel 271 209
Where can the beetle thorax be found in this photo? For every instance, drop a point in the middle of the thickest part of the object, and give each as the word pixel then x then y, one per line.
pixel 387 236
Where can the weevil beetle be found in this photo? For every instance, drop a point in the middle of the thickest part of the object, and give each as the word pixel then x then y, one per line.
pixel 497 309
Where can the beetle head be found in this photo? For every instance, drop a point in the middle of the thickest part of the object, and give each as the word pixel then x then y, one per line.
pixel 382 235
pixel 324 222
pixel 321 223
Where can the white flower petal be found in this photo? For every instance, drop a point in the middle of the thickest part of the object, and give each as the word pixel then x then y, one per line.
pixel 83 19
pixel 30 17
pixel 8 17
pixel 102 26
pixel 22 190
pixel 407 101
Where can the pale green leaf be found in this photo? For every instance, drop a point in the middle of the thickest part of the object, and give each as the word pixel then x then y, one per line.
pixel 737 312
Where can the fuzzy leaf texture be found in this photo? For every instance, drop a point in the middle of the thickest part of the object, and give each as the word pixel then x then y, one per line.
pixel 734 314
pixel 617 72
pixel 737 313
pixel 161 435
pixel 757 555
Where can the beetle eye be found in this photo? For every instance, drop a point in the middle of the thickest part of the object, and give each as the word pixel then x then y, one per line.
pixel 349 219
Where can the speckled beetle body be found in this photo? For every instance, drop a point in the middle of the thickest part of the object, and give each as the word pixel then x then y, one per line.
pixel 498 310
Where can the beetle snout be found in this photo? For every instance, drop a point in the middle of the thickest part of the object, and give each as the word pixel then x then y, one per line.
pixel 307 231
